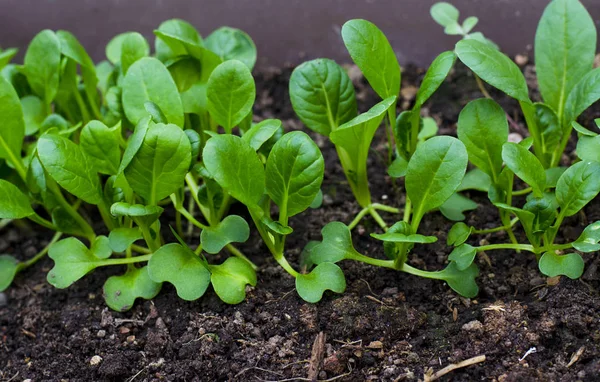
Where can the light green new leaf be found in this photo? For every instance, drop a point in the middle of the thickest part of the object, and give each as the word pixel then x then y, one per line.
pixel 231 93
pixel 434 173
pixel 493 67
pixel 33 113
pixel 71 48
pixel 232 229
pixel 236 167
pixel 70 167
pixel 326 276
pixel 149 80
pixel 372 53
pixel 261 132
pixel 181 267
pixel 120 292
pixel 577 186
pixel 101 144
pixel 72 261
pixel 565 46
pixel 12 123
pixel 42 65
pixel 9 266
pixel 322 95
pixel 121 238
pixel 456 205
pixel 483 128
pixel 174 38
pixel 526 166
pixel 294 173
pixel 444 14
pixel 589 239
pixel 14 204
pixel 232 44
pixel 459 233
pixel 463 255
pixel 133 47
pixel 435 75
pixel 336 245
pixel 159 167
pixel 6 55
pixel 230 279
pixel 570 265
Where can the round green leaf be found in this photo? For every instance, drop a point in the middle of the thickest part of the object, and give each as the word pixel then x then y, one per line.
pixel 325 276
pixel 232 44
pixel 120 292
pixel 230 279
pixel 461 281
pixel 172 38
pixel 570 265
pixel 121 238
pixel 14 204
pixel 589 238
pixel 336 245
pixel 72 261
pixel 444 13
pixel 9 266
pixel 233 229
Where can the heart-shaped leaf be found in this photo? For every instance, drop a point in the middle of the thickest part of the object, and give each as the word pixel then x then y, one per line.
pixel 456 205
pixel 121 238
pixel 230 279
pixel 326 276
pixel 13 203
pixel 589 239
pixel 570 265
pixel 179 266
pixel 463 256
pixel 459 233
pixel 461 281
pixel 101 247
pixel 9 266
pixel 120 292
pixel 72 261
pixel 233 229
pixel 336 245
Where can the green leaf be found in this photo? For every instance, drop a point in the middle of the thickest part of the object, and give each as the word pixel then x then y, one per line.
pixel 14 204
pixel 179 266
pixel 120 292
pixel 552 176
pixel 149 80
pixel 526 166
pixel 589 238
pixel 175 36
pixel 582 130
pixel 12 123
pixel 463 255
pixel 336 245
pixel 65 223
pixel 372 53
pixel 101 247
pixel 72 261
pixel 121 238
pixel 456 205
pixel 493 67
pixel 459 233
pixel 145 214
pixel 549 125
pixel 230 279
pixel 325 276
pixel 434 173
pixel 585 93
pixel 101 144
pixel 475 180
pixel 570 265
pixel 70 167
pixel 232 44
pixel 42 65
pixel 461 281
pixel 261 132
pixel 133 48
pixel 6 55
pixel 483 128
pixel 275 226
pixel 33 113
pixel 469 24
pixel 396 237
pixel 444 14
pixel 398 167
pixel 9 266
pixel 186 72
pixel 322 95
pixel 294 173
pixel 577 186
pixel 231 93
pixel 236 167
pixel 159 167
pixel 232 229
pixel 135 143
pixel 588 148
pixel 71 48
pixel 565 46
pixel 435 75
pixel 317 201
pixel 428 129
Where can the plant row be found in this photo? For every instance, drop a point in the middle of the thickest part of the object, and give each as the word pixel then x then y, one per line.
pixel 141 139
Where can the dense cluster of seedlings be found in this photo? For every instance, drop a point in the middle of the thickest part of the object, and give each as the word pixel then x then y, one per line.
pixel 137 134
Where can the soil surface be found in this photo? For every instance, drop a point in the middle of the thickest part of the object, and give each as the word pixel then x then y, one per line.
pixel 387 326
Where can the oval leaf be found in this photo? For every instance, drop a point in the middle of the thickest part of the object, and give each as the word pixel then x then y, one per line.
pixel 101 144
pixel 589 238
pixel 42 65
pixel 72 261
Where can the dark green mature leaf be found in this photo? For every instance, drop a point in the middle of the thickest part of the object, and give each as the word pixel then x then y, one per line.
pixel 493 67
pixel 133 47
pixel 236 167
pixel 525 165
pixel 456 205
pixel 230 279
pixel 70 167
pixel 12 124
pixel 145 214
pixel 14 204
pixel 9 266
pixel 232 44
pixel 159 167
pixel 577 186
pixel 232 229
pixel 459 233
pixel 101 144
pixel 583 95
pixel 121 238
pixel 434 173
pixel 179 266
pixel 589 239
pixel 325 276
pixel 294 173
pixel 483 128
pixel 65 223
pixel 33 113
pixel 42 65
pixel 149 80
pixel 120 292
pixel 463 255
pixel 231 93
pixel 372 52
pixel 570 265
pixel 435 75
pixel 322 95
pixel 565 46
pixel 549 125
pixel 261 132
pixel 72 261
pixel 336 245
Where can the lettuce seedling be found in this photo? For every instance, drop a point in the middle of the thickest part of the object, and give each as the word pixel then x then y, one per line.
pixel 447 16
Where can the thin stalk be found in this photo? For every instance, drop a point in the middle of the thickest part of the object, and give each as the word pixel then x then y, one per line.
pixel 377 262
pixel 43 222
pixel 524 191
pixel 191 219
pixel 496 229
pixel 140 249
pixel 481 87
pixel 489 247
pixel 40 254
pixel 178 225
pixel 391 120
pixel 378 218
pixel 124 260
pixel 358 218
pixel 280 258
pixel 236 252
pixel 383 207
pixel 407 210
pixel 148 238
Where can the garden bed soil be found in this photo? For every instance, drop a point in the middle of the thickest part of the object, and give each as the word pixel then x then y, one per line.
pixel 387 326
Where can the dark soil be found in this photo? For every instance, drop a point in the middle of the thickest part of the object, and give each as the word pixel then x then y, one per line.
pixel 387 326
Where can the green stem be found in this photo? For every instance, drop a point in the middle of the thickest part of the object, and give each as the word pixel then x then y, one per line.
pixel 178 225
pixel 383 207
pixel 407 210
pixel 524 191
pixel 481 87
pixel 191 219
pixel 376 262
pixel 148 238
pixel 140 249
pixel 378 218
pixel 280 258
pixel 496 229
pixel 437 275
pixel 388 129
pixel 358 218
pixel 236 252
pixel 124 260
pixel 41 254
pixel 43 222
pixel 82 107
pixel 489 247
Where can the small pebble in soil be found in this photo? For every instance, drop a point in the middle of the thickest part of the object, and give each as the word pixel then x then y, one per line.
pixel 101 333
pixel 130 339
pixel 3 300
pixel 472 326
pixel 95 360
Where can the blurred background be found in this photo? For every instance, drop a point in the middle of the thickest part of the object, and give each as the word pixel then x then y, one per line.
pixel 285 31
